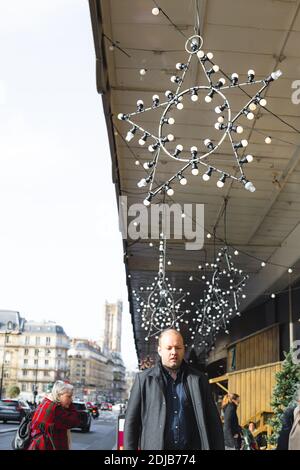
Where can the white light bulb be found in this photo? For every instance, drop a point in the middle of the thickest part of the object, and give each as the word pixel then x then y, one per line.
pixel 209 55
pixel 217 110
pixel 183 181
pixel 171 120
pixel 244 142
pixel 143 71
pixel 155 11
pixel 263 264
pixel 179 106
pixel 250 186
pixel 221 119
pixel 239 129
pixel 250 116
pixel 249 158
pixel 142 141
pixel 137 162
pixel 220 184
pixel 268 140
pixel 195 171
pixel 205 177
pixel 236 252
pixel 142 183
pixel 208 235
pixel 263 102
pixel 217 126
pixel 290 270
pixel 194 149
pixel 276 75
pixel 200 54
pixel 216 68
pixel 194 97
pixel 129 136
pixel 252 106
pixel 170 192
pixel 170 137
pixel 179 147
pixel 207 99
pixel 146 202
pixel 273 296
pixel 121 116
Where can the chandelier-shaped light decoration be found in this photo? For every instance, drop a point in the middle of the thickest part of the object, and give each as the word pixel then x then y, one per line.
pixel 161 306
pixel 220 302
pixel 227 125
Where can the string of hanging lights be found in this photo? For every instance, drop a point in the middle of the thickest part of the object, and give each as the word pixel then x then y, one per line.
pixel 227 124
pixel 221 299
pixel 160 304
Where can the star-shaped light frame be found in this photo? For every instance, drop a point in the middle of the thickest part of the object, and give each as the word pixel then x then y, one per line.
pixel 227 124
pixel 160 304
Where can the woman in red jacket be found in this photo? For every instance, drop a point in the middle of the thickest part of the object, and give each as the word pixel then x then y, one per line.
pixel 53 419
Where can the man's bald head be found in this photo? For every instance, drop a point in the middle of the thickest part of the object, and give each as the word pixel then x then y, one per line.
pixel 171 348
pixel 169 331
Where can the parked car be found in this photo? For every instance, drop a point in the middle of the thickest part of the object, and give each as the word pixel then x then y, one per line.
pixel 85 416
pixel 13 410
pixel 106 406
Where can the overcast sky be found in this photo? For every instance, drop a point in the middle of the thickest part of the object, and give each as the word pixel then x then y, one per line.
pixel 60 247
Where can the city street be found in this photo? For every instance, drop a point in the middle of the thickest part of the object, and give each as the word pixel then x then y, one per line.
pixel 101 437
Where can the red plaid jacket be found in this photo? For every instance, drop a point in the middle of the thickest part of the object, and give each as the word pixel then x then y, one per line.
pixel 51 419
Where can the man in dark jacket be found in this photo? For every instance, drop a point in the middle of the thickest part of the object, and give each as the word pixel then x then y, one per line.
pixel 171 406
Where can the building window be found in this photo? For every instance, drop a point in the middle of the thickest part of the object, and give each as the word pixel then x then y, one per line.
pixel 26 352
pixel 36 362
pixel 36 352
pixel 27 339
pixel 46 362
pixel 37 341
pixel 7 340
pixel 48 341
pixel 25 361
pixel 24 372
pixel 46 373
pixel 6 375
pixel 23 386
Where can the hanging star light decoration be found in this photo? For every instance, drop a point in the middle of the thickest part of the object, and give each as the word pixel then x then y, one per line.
pixel 227 124
pixel 160 304
pixel 220 302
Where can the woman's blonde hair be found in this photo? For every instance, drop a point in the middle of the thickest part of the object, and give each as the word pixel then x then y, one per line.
pixel 228 398
pixel 59 388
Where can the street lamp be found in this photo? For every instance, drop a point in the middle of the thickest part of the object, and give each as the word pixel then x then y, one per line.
pixel 8 330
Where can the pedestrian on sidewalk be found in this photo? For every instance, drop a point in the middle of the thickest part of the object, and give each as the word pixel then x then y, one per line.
pixel 171 405
pixel 232 429
pixel 53 419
